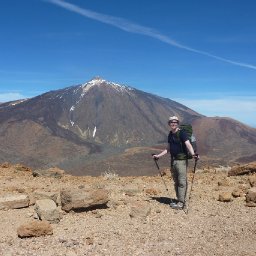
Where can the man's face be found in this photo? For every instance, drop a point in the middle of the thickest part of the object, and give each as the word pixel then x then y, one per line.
pixel 173 125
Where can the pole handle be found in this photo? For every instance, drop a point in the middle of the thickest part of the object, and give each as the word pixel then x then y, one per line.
pixel 155 160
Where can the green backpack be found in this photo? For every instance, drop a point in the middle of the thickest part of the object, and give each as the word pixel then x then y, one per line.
pixel 189 131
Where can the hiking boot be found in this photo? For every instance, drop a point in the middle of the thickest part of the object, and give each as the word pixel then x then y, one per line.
pixel 173 202
pixel 177 206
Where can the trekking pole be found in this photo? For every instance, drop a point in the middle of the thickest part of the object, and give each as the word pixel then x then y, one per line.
pixel 192 182
pixel 155 160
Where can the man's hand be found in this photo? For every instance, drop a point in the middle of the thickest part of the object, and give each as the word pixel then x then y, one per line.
pixel 196 157
pixel 155 157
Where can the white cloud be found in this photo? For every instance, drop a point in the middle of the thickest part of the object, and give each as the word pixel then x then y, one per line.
pixel 242 109
pixel 131 27
pixel 10 96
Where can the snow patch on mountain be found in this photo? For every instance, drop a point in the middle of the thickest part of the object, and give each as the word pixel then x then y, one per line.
pixel 94 132
pixel 102 82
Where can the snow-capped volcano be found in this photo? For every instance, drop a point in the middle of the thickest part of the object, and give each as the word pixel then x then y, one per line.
pixel 98 81
pixel 97 86
pixel 83 119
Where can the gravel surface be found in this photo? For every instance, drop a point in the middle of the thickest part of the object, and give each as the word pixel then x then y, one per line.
pixel 211 227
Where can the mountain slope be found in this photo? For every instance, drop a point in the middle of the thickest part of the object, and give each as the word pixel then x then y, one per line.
pixel 94 122
pixel 225 139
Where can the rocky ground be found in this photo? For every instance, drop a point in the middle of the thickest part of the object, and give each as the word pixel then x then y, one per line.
pixel 137 219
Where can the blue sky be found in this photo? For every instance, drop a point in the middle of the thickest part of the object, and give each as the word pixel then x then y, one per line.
pixel 200 53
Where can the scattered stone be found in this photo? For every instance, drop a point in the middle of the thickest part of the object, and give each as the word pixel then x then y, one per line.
pixel 252 181
pixel 5 165
pixel 51 172
pixel 7 239
pixel 113 204
pixel 71 253
pixel 153 229
pixel 224 183
pixel 35 216
pixel 251 197
pixel 222 169
pixel 13 201
pixel 237 192
pixel 225 197
pixel 151 191
pixel 244 187
pixel 21 190
pixel 22 168
pixel 96 214
pixel 140 210
pixel 89 241
pixel 62 240
pixel 131 190
pixel 165 172
pixel 35 229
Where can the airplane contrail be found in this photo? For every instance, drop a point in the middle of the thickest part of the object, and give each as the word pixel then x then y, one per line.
pixel 131 27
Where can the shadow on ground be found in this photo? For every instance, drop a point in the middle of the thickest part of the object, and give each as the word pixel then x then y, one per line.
pixel 164 200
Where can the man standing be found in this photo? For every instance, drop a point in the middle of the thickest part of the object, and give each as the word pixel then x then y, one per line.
pixel 178 146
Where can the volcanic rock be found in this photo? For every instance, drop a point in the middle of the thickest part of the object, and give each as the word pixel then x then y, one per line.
pixel 35 228
pixel 76 199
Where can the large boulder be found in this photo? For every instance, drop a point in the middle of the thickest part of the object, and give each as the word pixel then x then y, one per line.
pixel 83 199
pixel 46 209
